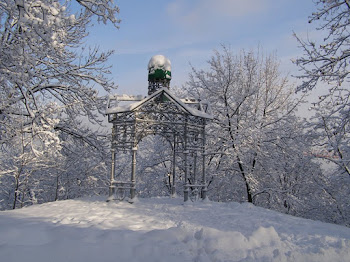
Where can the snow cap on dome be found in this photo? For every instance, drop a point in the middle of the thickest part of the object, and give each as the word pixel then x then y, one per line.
pixel 159 62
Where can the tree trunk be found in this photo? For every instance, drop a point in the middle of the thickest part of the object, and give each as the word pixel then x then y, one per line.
pixel 16 192
pixel 249 194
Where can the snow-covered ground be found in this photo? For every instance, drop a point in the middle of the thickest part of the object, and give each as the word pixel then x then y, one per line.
pixel 163 229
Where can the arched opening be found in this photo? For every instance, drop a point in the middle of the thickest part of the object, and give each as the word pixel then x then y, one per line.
pixel 154 167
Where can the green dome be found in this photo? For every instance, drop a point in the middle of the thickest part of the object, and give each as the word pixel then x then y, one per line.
pixel 159 74
pixel 159 68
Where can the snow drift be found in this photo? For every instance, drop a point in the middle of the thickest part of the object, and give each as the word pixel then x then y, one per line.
pixel 163 229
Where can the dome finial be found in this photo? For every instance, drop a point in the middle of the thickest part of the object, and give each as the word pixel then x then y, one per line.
pixel 159 73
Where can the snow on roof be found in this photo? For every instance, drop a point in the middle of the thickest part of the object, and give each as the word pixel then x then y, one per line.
pixel 159 62
pixel 133 106
pixel 125 97
pixel 192 111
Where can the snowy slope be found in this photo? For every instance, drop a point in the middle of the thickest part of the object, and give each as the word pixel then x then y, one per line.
pixel 162 229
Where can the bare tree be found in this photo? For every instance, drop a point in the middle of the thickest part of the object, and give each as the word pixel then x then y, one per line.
pixel 255 136
pixel 327 61
pixel 327 64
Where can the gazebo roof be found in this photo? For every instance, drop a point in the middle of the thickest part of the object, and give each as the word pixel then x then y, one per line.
pixel 186 105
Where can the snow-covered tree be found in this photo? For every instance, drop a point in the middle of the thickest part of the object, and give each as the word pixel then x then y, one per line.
pixel 25 158
pixel 47 80
pixel 326 65
pixel 154 167
pixel 256 139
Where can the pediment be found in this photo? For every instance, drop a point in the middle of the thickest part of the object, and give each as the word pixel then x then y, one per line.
pixel 159 99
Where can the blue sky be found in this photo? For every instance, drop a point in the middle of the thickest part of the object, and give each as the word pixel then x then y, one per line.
pixel 188 32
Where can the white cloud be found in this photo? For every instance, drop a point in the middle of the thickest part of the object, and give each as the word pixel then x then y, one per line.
pixel 197 13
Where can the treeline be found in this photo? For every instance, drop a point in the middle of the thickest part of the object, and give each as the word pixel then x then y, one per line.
pixel 260 149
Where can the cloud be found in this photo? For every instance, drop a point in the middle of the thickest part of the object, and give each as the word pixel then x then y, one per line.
pixel 202 13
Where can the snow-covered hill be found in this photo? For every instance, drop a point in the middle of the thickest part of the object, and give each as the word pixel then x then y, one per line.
pixel 163 229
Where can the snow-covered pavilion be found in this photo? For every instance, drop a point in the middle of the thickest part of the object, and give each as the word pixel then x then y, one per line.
pixel 180 121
